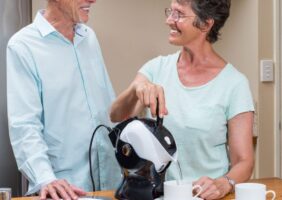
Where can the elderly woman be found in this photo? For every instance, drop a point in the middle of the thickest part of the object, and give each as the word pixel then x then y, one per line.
pixel 206 100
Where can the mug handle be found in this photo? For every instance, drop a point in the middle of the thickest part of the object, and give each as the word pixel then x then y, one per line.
pixel 199 187
pixel 272 192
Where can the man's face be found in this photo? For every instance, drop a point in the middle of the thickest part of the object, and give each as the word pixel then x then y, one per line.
pixel 76 10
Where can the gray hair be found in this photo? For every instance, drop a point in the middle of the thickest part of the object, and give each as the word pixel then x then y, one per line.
pixel 217 10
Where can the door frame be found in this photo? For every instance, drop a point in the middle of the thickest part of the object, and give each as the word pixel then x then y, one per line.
pixel 277 16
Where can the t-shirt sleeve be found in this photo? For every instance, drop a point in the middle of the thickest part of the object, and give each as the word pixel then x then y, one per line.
pixel 151 68
pixel 240 100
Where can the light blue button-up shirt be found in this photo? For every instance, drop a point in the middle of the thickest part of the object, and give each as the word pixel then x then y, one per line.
pixel 58 92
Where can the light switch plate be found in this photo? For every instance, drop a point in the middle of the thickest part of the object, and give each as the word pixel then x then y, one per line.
pixel 266 71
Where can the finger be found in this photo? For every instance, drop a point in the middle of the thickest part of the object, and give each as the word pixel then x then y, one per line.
pixel 201 181
pixel 140 87
pixel 161 99
pixel 43 193
pixel 212 194
pixel 146 96
pixel 166 111
pixel 153 102
pixel 78 190
pixel 139 95
pixel 69 190
pixel 205 194
pixel 52 192
pixel 60 188
pixel 206 187
pixel 205 183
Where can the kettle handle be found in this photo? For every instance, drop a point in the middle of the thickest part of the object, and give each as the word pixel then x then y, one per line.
pixel 159 119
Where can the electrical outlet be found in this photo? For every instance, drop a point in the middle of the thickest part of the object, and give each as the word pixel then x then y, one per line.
pixel 266 71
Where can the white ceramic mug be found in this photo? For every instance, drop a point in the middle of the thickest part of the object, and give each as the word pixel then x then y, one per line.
pixel 252 191
pixel 180 190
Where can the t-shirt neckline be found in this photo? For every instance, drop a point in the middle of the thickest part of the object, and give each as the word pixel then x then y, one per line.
pixel 200 86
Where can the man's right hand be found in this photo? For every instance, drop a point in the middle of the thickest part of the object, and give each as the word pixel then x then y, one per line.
pixel 60 189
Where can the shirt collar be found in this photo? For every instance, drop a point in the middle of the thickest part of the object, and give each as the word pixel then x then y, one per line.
pixel 42 24
pixel 81 30
pixel 46 28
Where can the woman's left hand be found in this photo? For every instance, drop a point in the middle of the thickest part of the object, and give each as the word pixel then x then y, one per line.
pixel 213 188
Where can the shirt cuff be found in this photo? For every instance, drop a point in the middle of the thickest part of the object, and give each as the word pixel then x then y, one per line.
pixel 38 187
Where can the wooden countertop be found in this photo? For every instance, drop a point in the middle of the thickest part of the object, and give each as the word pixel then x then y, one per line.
pixel 271 183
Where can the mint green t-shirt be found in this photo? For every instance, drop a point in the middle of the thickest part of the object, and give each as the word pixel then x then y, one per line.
pixel 198 116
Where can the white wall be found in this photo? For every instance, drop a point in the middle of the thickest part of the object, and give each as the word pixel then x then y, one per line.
pixel 239 43
pixel 267 106
pixel 131 32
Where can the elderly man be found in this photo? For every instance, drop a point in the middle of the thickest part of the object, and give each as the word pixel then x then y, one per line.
pixel 58 92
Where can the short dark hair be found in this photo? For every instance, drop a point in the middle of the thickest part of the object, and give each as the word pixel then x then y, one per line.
pixel 218 10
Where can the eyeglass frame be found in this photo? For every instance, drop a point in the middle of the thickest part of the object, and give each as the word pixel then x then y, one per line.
pixel 177 16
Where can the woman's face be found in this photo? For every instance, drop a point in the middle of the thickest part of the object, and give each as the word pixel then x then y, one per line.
pixel 182 30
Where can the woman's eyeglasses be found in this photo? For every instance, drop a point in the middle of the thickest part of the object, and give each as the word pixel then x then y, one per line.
pixel 175 14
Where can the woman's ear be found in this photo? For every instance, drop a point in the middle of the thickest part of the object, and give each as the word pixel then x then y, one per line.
pixel 206 27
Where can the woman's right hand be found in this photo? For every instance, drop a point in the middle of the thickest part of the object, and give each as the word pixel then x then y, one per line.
pixel 140 94
pixel 149 95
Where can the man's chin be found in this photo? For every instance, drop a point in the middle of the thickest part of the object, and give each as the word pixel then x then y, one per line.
pixel 81 20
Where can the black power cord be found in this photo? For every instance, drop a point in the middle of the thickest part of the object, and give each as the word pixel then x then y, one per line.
pixel 89 153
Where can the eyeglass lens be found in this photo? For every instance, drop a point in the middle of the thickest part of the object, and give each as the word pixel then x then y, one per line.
pixel 172 13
